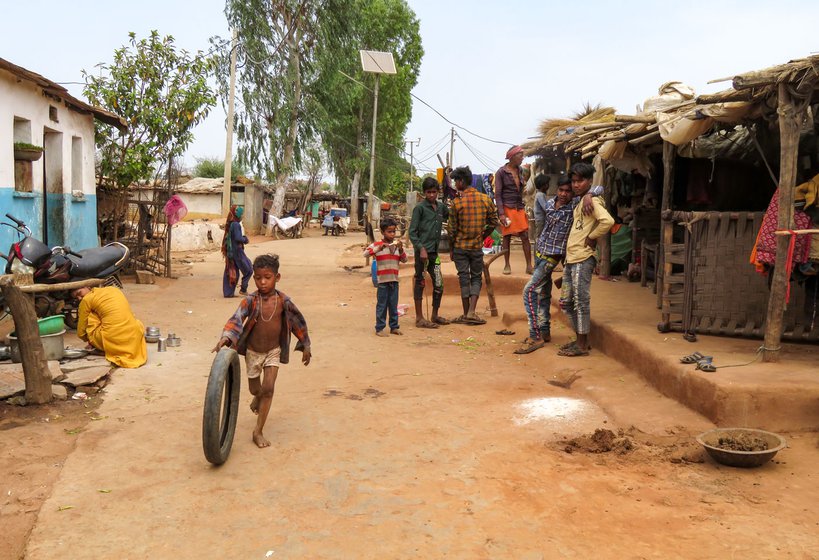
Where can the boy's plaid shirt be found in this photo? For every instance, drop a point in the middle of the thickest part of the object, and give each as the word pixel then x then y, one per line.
pixel 471 214
pixel 292 319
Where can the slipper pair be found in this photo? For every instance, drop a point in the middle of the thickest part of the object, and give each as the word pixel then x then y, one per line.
pixel 464 320
pixel 704 363
pixel 693 358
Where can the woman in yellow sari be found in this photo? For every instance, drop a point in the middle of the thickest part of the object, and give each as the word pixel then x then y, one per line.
pixel 108 324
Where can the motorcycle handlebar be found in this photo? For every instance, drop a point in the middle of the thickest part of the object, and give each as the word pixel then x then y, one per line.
pixel 20 223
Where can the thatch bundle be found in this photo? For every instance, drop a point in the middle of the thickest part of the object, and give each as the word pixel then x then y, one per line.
pixel 550 128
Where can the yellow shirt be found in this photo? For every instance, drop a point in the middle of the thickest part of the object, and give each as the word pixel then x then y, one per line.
pixel 107 322
pixel 591 227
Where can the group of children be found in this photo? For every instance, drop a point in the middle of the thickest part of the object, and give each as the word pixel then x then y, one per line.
pixel 570 224
pixel 262 326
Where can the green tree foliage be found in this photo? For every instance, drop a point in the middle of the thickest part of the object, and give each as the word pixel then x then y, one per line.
pixel 346 106
pixel 214 168
pixel 162 94
pixel 291 93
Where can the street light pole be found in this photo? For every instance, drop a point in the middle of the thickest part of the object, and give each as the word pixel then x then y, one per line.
pixel 372 158
pixel 412 162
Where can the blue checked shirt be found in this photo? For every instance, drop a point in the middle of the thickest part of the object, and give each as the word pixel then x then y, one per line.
pixel 557 223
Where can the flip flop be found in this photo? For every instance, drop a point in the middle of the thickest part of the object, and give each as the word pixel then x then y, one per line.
pixel 474 320
pixel 706 365
pixel 424 324
pixel 459 320
pixel 573 351
pixel 530 346
pixel 505 332
pixel 441 321
pixel 567 345
pixel 507 270
pixel 693 358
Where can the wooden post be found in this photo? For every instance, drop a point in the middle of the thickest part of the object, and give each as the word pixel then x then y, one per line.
pixel 669 157
pixel 490 290
pixel 789 121
pixel 32 355
pixel 604 243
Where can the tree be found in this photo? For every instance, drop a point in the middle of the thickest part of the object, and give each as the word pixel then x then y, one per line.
pixel 274 64
pixel 346 106
pixel 214 168
pixel 161 93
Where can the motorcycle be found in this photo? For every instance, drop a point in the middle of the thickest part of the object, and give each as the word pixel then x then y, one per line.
pixel 53 265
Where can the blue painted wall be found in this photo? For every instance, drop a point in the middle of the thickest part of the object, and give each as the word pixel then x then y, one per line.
pixel 79 218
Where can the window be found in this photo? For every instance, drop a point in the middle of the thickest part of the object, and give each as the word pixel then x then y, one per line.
pixel 52 113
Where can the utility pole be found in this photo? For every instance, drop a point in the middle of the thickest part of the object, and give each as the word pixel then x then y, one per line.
pixel 412 161
pixel 451 158
pixel 229 140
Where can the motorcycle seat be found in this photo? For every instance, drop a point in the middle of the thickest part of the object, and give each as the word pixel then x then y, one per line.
pixel 96 260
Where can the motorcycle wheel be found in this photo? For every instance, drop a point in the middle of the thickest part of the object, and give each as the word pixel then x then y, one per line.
pixel 221 406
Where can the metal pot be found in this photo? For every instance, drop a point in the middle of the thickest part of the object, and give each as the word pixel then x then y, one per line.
pixel 53 346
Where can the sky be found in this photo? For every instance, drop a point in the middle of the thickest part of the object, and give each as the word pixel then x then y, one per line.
pixel 495 69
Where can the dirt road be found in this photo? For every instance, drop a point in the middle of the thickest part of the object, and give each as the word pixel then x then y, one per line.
pixel 435 444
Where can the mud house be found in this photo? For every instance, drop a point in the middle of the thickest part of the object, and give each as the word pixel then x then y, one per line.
pixel 715 164
pixel 47 159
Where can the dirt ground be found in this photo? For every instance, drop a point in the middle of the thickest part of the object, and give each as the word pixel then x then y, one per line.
pixel 435 444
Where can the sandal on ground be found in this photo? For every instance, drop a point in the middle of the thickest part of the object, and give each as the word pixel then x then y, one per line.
pixel 459 320
pixel 507 270
pixel 567 345
pixel 381 333
pixel 474 320
pixel 706 365
pixel 440 321
pixel 505 332
pixel 573 351
pixel 397 331
pixel 692 358
pixel 424 324
pixel 530 345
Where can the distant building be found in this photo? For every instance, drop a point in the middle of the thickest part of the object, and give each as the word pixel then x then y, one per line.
pixel 52 188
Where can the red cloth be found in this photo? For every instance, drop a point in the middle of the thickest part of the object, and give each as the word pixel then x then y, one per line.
pixel 175 209
pixel 766 240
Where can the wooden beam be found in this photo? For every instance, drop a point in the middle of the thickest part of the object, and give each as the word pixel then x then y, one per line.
pixel 645 138
pixel 604 243
pixel 35 367
pixel 789 121
pixel 669 158
pixel 743 95
pixel 648 119
pixel 62 286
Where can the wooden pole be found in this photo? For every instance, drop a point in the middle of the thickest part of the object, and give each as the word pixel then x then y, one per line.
pixel 32 355
pixel 669 157
pixel 490 290
pixel 604 243
pixel 229 135
pixel 789 121
pixel 61 287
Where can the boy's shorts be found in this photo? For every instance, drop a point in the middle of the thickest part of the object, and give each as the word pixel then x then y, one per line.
pixel 257 361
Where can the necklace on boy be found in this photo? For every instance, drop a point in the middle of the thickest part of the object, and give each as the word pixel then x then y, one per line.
pixel 275 306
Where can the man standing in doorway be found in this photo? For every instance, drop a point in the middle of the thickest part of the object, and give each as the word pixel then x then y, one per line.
pixel 509 185
pixel 472 219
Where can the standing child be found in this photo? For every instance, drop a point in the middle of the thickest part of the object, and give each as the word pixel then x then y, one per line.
pixel 387 253
pixel 425 235
pixel 260 330
pixel 581 260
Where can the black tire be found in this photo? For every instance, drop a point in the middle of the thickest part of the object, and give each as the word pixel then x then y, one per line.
pixel 221 406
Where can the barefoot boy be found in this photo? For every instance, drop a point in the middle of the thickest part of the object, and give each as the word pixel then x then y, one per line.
pixel 260 330
pixel 425 235
pixel 387 254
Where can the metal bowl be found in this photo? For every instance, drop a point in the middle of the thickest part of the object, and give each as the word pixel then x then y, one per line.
pixel 745 459
pixel 174 342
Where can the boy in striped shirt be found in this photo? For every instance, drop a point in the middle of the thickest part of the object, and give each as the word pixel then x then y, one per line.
pixel 388 253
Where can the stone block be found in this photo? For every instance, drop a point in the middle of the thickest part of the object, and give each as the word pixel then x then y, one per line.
pixel 87 376
pixel 59 392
